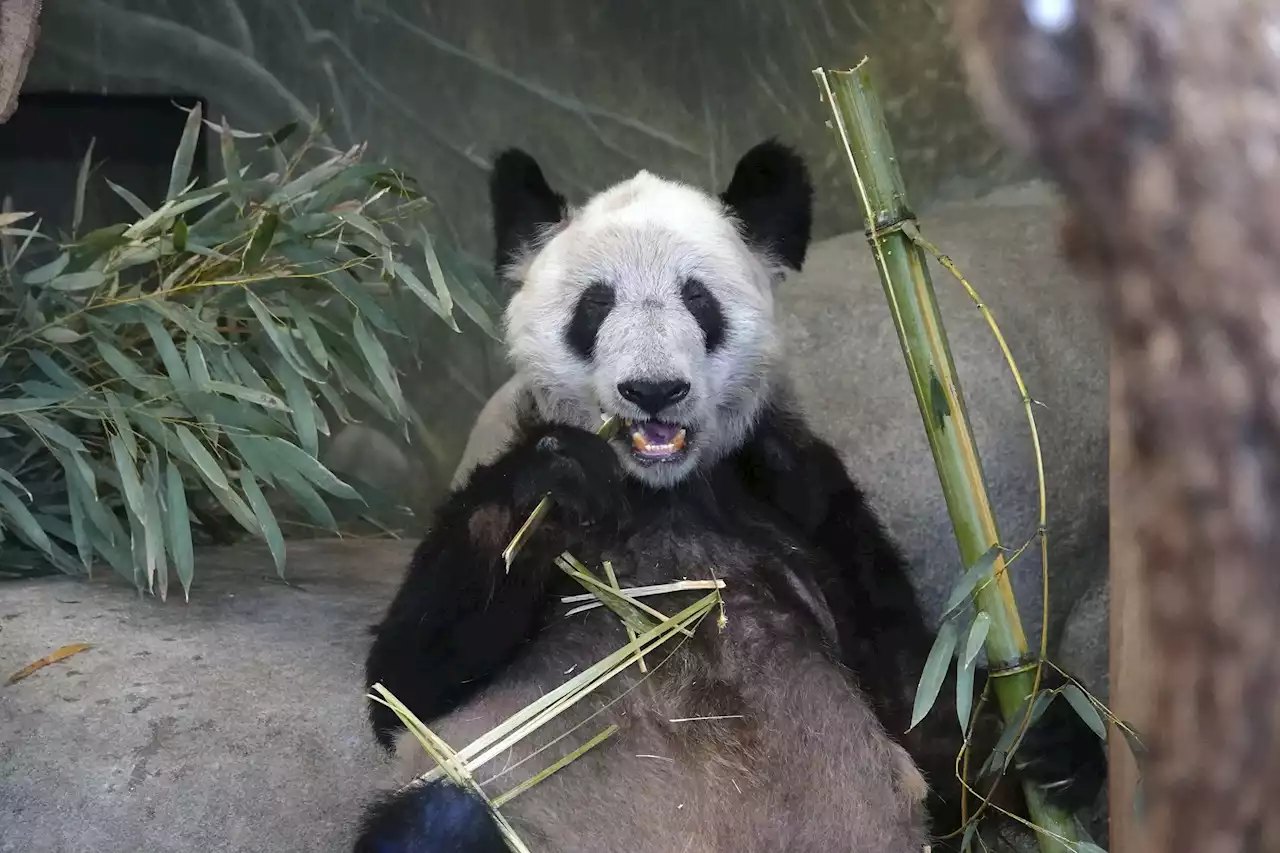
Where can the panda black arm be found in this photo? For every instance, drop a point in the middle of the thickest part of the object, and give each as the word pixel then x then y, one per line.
pixel 459 615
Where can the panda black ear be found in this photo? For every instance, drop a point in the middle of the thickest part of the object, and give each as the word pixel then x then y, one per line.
pixel 772 196
pixel 523 205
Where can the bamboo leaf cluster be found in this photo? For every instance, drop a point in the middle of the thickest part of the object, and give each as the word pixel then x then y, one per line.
pixel 165 381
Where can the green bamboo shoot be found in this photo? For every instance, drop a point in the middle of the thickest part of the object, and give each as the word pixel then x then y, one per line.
pixel 858 120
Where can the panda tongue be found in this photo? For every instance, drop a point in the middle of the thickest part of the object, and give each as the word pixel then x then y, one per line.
pixel 657 432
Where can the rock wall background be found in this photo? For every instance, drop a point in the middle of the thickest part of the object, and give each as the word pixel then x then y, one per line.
pixel 596 90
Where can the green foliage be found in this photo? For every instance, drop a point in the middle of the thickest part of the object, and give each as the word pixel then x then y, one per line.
pixel 161 379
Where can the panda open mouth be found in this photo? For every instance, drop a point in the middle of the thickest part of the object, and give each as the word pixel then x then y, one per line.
pixel 657 441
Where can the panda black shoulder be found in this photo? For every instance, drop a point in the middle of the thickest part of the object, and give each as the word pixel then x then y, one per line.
pixel 786 463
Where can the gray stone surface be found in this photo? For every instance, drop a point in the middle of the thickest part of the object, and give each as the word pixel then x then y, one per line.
pixel 849 373
pixel 233 723
pixel 847 367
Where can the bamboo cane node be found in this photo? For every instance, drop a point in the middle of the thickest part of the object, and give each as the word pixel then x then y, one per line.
pixel 1026 664
pixel 890 224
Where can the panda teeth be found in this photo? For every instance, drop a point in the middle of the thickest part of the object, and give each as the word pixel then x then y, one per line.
pixel 643 445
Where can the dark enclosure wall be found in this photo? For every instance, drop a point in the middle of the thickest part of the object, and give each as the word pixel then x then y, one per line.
pixel 596 89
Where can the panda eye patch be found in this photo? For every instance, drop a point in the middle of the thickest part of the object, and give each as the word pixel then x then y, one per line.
pixel 589 314
pixel 705 308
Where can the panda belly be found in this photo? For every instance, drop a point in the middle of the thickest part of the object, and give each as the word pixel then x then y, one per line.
pixel 746 738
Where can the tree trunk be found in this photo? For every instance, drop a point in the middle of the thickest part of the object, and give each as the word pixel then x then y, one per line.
pixel 1160 121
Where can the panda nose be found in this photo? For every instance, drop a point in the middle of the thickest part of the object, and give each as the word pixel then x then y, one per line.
pixel 653 397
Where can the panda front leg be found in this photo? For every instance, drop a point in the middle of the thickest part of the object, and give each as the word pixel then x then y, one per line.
pixel 459 614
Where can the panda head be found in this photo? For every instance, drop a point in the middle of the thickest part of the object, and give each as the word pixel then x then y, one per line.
pixel 652 302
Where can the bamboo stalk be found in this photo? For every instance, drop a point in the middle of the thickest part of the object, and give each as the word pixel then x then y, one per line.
pixel 863 136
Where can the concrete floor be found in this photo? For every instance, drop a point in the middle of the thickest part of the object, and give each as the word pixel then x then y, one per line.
pixel 233 723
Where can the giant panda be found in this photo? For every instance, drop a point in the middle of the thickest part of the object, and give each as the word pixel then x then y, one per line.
pixel 782 725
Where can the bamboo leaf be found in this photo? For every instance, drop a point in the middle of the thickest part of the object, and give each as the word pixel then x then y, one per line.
pixel 186 320
pixel 51 431
pixel 231 165
pixel 935 671
pixel 334 399
pixel 98 242
pixel 977 636
pixel 56 373
pixel 132 200
pixel 124 366
pixel 137 547
pixel 438 280
pixel 361 223
pixel 310 502
pixel 1135 744
pixel 262 398
pixel 241 367
pixel 1085 709
pixel 178 520
pixel 49 271
pixel 281 134
pixel 309 467
pixel 128 474
pixel 18 405
pixel 300 406
pixel 313 263
pixel 9 256
pixel 410 280
pixel 7 219
pixel 197 365
pixel 180 173
pixel 5 476
pixel 112 552
pixel 260 243
pixel 256 454
pixel 60 335
pixel 152 521
pixel 169 355
pixel 238 134
pixel 312 179
pixel 307 330
pixel 283 345
pixel 1002 752
pixel 82 186
pixel 266 519
pixel 180 235
pixel 979 571
pixel 78 471
pixel 72 282
pixel 964 695
pixel 379 364
pixel 80 531
pixel 203 459
pixel 342 186
pixel 123 429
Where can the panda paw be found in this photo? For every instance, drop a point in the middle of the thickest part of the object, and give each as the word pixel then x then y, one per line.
pixel 578 469
pixel 1064 757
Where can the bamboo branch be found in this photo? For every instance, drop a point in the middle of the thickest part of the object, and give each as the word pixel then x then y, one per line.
pixel 858 120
